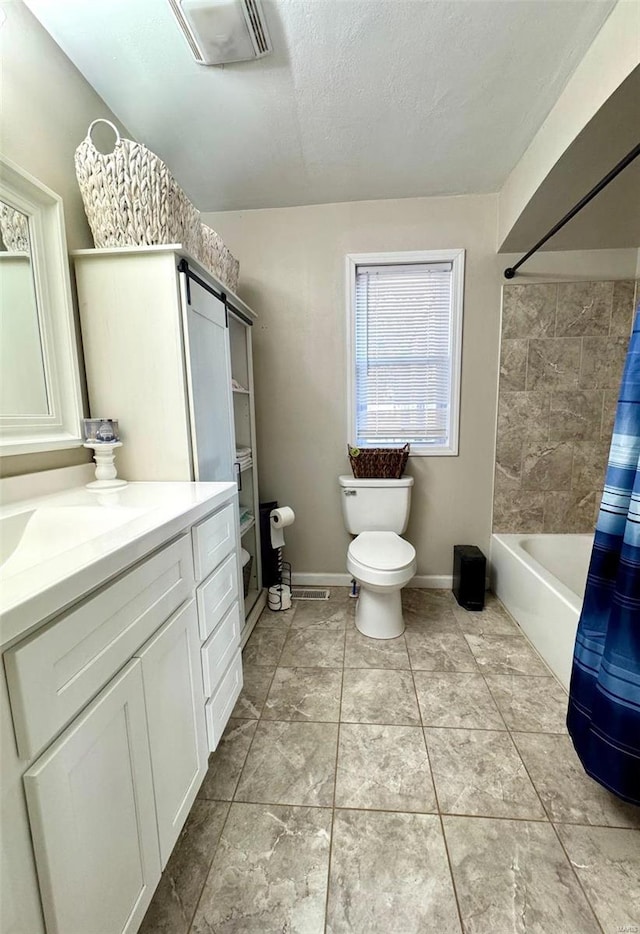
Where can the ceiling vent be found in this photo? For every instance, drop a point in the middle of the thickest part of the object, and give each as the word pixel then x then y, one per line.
pixel 222 31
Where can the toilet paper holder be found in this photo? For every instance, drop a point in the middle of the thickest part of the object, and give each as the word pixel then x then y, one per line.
pixel 280 518
pixel 279 595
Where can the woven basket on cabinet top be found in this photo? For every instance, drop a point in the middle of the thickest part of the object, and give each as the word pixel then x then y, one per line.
pixel 131 198
pixel 218 258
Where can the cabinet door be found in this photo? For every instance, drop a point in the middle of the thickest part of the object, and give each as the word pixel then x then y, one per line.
pixel 93 822
pixel 209 382
pixel 174 697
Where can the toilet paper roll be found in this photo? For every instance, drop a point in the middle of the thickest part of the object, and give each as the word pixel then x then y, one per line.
pixel 279 597
pixel 279 519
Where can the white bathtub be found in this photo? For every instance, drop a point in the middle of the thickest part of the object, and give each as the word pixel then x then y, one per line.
pixel 541 580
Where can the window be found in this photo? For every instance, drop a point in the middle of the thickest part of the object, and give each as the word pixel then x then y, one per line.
pixel 405 330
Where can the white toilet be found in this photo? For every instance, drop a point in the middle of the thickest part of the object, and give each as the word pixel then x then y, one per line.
pixel 376 512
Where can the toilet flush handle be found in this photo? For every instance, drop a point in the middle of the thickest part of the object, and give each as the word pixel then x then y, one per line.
pixel 349 492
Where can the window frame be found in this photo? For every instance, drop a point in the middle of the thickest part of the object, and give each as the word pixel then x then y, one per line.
pixel 457 258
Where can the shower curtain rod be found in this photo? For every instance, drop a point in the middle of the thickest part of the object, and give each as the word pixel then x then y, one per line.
pixel 510 272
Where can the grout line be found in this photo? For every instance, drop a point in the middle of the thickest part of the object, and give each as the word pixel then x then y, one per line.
pixel 326 900
pixel 404 724
pixel 578 880
pixel 206 878
pixel 333 806
pixel 439 813
pixel 503 817
pixel 282 804
pixel 601 437
pixel 388 810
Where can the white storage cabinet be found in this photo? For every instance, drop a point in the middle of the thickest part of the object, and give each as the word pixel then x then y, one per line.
pixel 162 341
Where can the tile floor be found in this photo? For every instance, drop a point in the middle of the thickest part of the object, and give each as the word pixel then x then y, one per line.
pixel 423 784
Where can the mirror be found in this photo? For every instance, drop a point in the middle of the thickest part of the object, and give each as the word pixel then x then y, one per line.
pixel 40 402
pixel 23 389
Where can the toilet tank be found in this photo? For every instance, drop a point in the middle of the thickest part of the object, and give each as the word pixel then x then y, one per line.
pixel 375 505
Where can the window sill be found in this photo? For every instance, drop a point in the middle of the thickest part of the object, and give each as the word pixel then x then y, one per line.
pixel 441 452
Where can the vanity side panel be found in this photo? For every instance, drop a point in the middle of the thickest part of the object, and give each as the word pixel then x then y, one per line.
pixel 133 350
pixel 20 908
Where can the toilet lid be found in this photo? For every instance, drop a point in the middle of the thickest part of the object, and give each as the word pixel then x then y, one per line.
pixel 383 550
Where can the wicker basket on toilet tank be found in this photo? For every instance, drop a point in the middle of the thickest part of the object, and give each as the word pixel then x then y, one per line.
pixel 378 463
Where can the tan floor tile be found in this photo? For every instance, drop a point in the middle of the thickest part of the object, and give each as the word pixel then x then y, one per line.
pixel 480 772
pixel 383 768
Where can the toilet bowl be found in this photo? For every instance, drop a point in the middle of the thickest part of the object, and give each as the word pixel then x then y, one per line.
pixel 382 563
pixel 376 511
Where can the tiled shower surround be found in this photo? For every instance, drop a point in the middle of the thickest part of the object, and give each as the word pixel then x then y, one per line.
pixel 562 354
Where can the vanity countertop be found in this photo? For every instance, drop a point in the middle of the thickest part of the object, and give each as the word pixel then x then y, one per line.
pixel 57 548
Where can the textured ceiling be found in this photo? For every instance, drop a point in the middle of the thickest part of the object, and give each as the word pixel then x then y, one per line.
pixel 362 99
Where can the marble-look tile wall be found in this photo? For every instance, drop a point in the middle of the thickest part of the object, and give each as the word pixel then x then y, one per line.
pixel 562 354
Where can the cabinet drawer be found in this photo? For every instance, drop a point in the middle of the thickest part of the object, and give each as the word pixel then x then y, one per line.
pixel 219 649
pixel 213 539
pixel 218 708
pixel 53 674
pixel 217 594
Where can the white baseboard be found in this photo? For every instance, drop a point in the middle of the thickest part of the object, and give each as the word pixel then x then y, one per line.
pixel 321 580
pixel 432 581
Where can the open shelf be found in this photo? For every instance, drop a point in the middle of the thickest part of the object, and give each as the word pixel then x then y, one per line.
pixel 241 392
pixel 246 525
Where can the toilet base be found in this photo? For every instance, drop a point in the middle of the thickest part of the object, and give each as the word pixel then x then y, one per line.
pixel 379 615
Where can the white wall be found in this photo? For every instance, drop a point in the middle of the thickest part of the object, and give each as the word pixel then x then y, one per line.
pixel 292 273
pixel 46 108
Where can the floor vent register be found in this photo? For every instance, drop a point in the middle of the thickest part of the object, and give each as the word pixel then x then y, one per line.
pixel 309 593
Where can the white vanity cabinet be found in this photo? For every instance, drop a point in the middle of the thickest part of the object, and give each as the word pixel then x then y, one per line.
pixel 92 816
pixel 116 704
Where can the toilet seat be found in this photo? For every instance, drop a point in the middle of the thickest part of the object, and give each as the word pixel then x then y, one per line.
pixel 382 551
pixel 381 560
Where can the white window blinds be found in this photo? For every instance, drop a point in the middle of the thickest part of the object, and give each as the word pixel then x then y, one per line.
pixel 403 354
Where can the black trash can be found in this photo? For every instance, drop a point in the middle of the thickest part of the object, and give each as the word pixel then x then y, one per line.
pixel 469 575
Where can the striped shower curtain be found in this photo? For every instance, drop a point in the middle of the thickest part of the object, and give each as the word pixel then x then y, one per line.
pixel 604 700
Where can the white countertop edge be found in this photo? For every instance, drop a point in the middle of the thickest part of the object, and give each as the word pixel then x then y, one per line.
pixel 132 542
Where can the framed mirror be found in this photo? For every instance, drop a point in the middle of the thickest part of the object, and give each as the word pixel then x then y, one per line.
pixel 40 398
